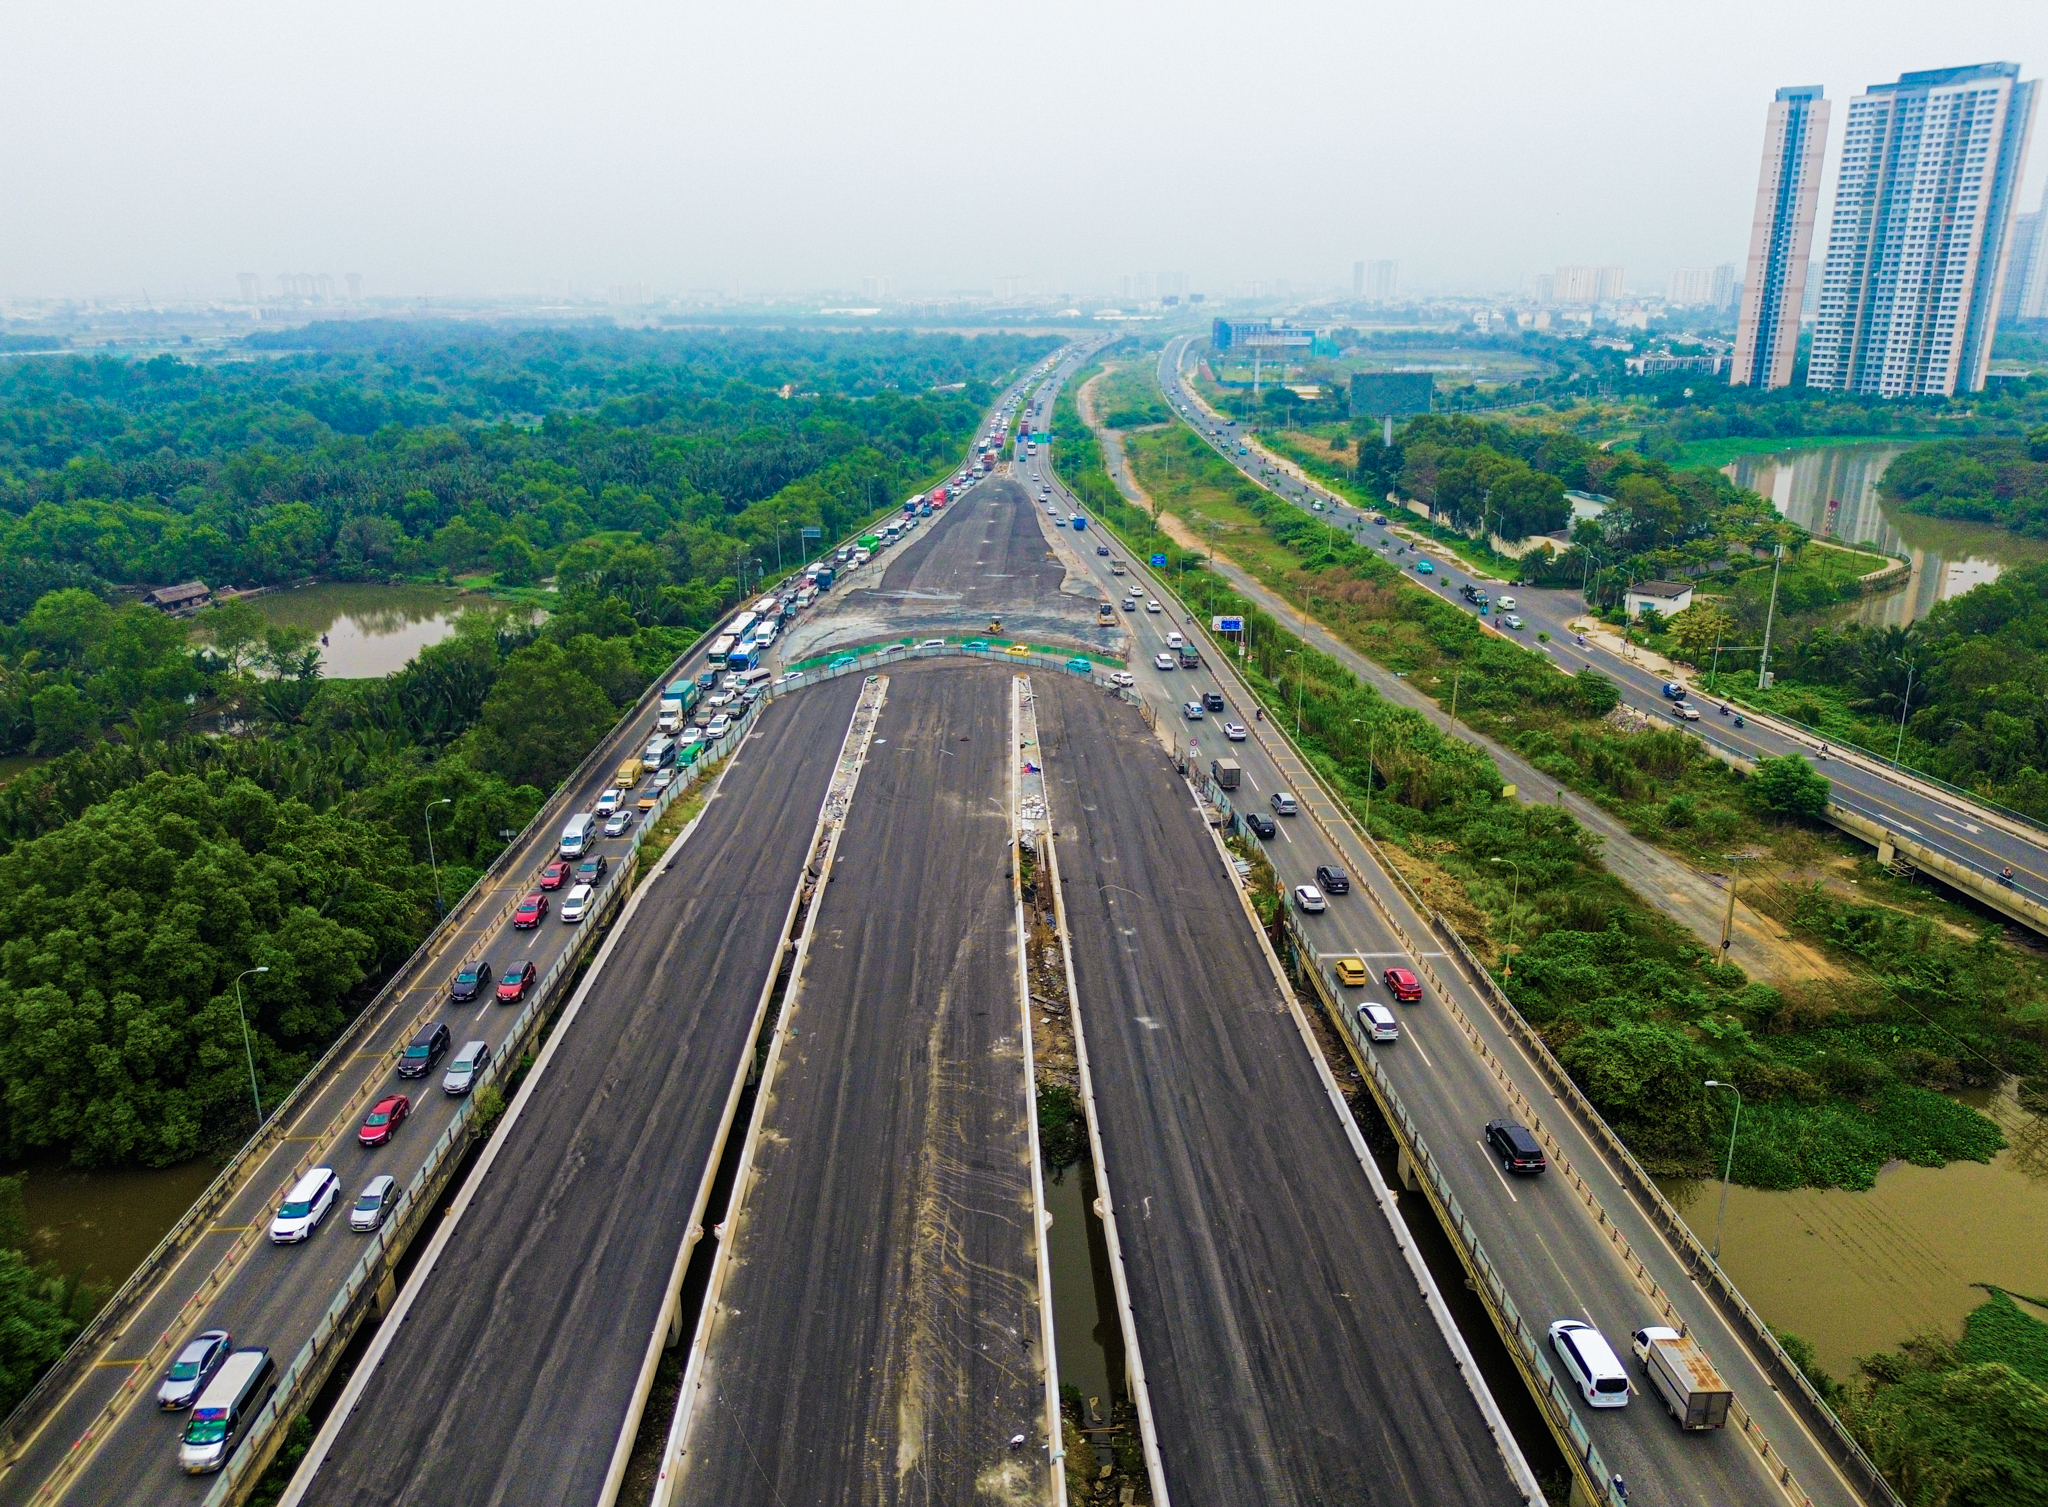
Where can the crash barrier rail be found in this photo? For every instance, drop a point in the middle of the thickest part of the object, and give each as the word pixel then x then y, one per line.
pixel 309 1369
pixel 232 1179
pixel 1527 1343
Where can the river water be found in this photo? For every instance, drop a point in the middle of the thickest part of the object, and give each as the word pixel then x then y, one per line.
pixel 1831 492
pixel 1856 1273
pixel 369 631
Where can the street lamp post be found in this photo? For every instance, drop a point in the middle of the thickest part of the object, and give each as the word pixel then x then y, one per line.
pixel 1508 969
pixel 439 905
pixel 1300 682
pixel 1763 665
pixel 1899 746
pixel 1729 1167
pixel 248 1050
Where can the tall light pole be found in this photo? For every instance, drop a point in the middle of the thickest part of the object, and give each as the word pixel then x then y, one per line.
pixel 1729 1167
pixel 1300 680
pixel 1763 665
pixel 439 906
pixel 248 1050
pixel 1508 970
pixel 1899 746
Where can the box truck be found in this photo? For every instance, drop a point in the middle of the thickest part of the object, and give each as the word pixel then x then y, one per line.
pixel 1683 1376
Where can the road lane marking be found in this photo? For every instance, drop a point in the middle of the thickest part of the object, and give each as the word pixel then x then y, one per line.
pixel 1496 1170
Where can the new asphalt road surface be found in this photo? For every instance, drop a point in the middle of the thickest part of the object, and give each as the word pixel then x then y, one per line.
pixel 878 1337
pixel 981 557
pixel 510 1377
pixel 1290 1355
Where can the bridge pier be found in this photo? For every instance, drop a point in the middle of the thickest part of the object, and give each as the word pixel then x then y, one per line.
pixel 1406 1167
pixel 387 1294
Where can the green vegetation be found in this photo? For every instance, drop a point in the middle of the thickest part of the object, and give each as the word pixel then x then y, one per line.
pixel 1129 397
pixel 1952 1423
pixel 1970 680
pixel 1062 1130
pixel 40 1311
pixel 2002 481
pixel 1838 1079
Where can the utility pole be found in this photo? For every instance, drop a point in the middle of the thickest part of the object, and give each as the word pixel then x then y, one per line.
pixel 1899 746
pixel 1729 1168
pixel 1763 665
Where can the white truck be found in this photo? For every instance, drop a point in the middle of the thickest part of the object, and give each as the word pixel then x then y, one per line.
pixel 669 717
pixel 1683 1376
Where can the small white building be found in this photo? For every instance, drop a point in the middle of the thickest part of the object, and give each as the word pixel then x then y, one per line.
pixel 1669 598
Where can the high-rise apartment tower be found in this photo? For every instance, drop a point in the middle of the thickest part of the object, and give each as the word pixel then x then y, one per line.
pixel 1922 229
pixel 2026 274
pixel 1780 238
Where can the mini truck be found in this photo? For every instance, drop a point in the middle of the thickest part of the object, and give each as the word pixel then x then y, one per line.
pixel 1683 1376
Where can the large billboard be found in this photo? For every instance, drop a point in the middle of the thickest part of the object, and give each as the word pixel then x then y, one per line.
pixel 1400 395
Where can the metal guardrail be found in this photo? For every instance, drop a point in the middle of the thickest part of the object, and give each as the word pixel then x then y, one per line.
pixel 309 1369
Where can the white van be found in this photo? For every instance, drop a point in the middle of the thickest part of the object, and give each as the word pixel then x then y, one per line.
pixel 576 835
pixel 305 1206
pixel 760 675
pixel 217 1417
pixel 659 750
pixel 1591 1362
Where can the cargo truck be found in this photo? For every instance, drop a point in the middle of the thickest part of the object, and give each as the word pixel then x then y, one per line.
pixel 1079 521
pixel 1683 1376
pixel 1190 657
pixel 1225 773
pixel 628 775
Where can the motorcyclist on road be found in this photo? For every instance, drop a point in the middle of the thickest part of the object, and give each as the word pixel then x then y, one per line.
pixel 2005 876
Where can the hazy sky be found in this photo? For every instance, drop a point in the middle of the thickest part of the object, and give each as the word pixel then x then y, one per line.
pixel 508 147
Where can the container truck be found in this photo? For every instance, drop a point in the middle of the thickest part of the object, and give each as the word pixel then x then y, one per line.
pixel 668 716
pixel 1679 1369
pixel 686 691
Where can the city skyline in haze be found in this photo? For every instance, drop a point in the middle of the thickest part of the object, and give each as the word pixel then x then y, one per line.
pixel 447 150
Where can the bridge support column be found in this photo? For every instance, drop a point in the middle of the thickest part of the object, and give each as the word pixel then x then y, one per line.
pixel 675 1323
pixel 1406 1167
pixel 387 1294
pixel 1887 853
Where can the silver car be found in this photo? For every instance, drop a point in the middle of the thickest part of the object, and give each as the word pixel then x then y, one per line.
pixel 193 1369
pixel 462 1073
pixel 373 1204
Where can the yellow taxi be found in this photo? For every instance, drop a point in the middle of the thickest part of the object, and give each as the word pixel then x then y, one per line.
pixel 1352 971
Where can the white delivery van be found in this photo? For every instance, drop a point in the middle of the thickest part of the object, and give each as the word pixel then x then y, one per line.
pixel 576 835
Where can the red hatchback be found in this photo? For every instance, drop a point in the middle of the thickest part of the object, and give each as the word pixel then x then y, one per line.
pixel 1406 986
pixel 517 980
pixel 554 876
pixel 531 909
pixel 383 1119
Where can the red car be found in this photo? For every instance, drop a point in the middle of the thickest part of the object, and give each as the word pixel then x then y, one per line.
pixel 554 876
pixel 517 980
pixel 531 909
pixel 383 1119
pixel 1406 986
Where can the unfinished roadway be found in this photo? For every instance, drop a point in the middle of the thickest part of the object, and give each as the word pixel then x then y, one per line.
pixel 1290 1354
pixel 878 1334
pixel 515 1363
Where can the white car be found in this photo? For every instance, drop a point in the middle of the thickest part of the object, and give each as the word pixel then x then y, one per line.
pixel 1152 606
pixel 720 698
pixel 305 1206
pixel 663 778
pixel 1686 710
pixel 576 904
pixel 1512 620
pixel 1591 1362
pixel 1379 1023
pixel 1122 678
pixel 609 802
pixel 1309 898
pixel 720 726
pixel 1162 661
pixel 1192 710
pixel 691 735
pixel 1507 604
pixel 1174 640
pixel 621 820
pixel 1234 731
pixel 933 643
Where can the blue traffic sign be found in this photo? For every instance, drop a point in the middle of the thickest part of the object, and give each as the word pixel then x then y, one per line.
pixel 1227 624
pixel 1159 560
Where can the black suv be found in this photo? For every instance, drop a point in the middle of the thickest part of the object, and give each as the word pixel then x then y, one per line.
pixel 470 979
pixel 1260 823
pixel 425 1051
pixel 1333 881
pixel 1516 1148
pixel 1213 700
pixel 592 869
